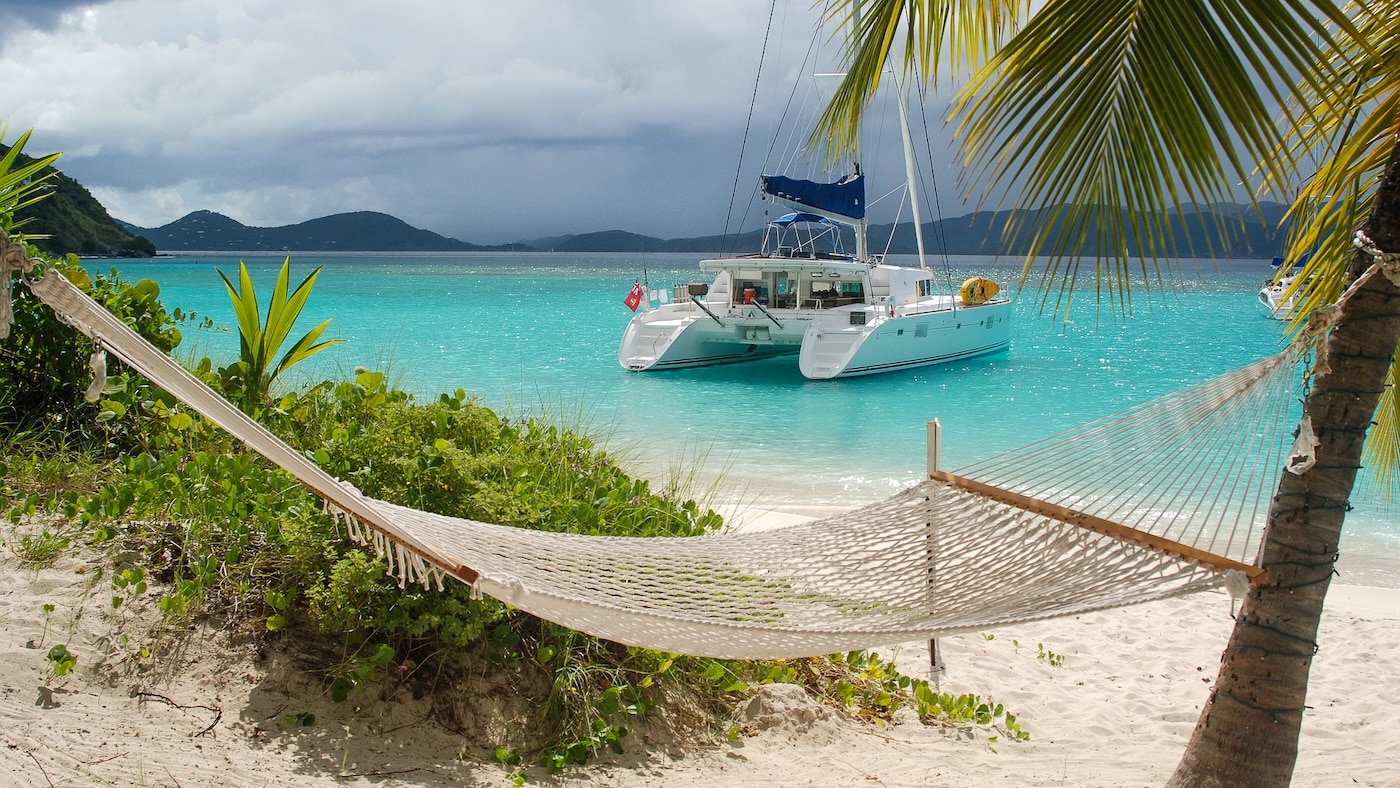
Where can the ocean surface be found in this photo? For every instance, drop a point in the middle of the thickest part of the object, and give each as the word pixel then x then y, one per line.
pixel 537 334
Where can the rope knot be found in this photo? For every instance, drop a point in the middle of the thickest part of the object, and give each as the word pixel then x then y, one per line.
pixel 12 258
pixel 1387 262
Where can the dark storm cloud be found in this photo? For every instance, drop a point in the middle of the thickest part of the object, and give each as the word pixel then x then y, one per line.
pixel 41 14
pixel 483 120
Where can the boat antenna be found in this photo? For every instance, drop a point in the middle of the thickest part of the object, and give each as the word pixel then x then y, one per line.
pixel 743 144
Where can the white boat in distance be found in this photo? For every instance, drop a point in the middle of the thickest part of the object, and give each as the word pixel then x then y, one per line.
pixel 842 315
pixel 1275 298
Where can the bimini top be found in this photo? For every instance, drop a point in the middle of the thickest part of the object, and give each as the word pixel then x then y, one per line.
pixel 787 220
pixel 843 201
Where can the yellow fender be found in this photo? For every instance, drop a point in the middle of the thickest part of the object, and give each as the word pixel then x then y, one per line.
pixel 976 290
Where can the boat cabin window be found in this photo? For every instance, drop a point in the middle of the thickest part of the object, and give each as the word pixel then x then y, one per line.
pixel 771 289
pixel 824 293
pixel 784 290
pixel 925 287
pixel 751 290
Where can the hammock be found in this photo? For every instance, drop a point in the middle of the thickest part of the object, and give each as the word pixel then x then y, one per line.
pixel 1164 499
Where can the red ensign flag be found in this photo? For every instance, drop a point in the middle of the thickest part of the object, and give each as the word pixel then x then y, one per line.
pixel 634 298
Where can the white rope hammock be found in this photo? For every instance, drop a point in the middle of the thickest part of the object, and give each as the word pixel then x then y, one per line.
pixel 1161 500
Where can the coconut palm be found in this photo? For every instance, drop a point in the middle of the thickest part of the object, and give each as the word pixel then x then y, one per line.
pixel 1156 108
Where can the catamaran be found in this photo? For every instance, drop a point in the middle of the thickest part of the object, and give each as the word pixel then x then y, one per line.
pixel 1279 297
pixel 842 315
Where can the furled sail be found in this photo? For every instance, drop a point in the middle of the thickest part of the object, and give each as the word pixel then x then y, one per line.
pixel 843 201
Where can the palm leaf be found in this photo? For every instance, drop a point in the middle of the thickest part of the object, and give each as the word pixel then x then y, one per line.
pixel 1382 453
pixel 281 315
pixel 245 310
pixel 952 34
pixel 1121 116
pixel 1351 148
pixel 22 186
pixel 305 348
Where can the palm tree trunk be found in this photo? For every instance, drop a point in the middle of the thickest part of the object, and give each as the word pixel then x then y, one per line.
pixel 1248 731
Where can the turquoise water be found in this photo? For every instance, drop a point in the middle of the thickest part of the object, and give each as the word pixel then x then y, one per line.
pixel 538 334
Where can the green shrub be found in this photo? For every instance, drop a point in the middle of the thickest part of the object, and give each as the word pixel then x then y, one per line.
pixel 44 363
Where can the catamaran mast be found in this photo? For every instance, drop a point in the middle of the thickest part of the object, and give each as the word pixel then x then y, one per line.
pixel 909 170
pixel 862 242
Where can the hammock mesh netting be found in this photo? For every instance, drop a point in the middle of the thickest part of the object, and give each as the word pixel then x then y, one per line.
pixel 1179 486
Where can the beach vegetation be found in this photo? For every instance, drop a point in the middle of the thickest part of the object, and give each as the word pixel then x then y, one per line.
pixel 61 660
pixel 23 182
pixel 1118 118
pixel 249 380
pixel 1049 657
pixel 211 533
pixel 38 550
pixel 45 366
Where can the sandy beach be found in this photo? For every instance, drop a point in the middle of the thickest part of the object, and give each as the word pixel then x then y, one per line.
pixel 1116 711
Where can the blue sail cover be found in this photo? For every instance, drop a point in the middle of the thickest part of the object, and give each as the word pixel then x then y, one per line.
pixel 844 199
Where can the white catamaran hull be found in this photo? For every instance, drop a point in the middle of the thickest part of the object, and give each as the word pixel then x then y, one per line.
pixel 830 343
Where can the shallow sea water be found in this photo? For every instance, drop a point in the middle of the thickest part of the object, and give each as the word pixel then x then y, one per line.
pixel 537 334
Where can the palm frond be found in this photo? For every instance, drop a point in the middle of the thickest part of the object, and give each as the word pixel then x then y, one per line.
pixel 22 185
pixel 1122 117
pixel 957 35
pixel 1382 452
pixel 305 348
pixel 1351 147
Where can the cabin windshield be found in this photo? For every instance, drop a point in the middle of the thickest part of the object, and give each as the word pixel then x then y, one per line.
pixel 821 291
pixel 769 288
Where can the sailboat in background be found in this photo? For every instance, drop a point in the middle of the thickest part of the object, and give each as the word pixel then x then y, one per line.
pixel 842 314
pixel 1279 295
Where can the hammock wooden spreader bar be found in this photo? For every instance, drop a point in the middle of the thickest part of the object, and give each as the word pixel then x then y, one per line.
pixel 1064 514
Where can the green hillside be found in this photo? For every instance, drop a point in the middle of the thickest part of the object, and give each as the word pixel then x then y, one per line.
pixel 360 231
pixel 76 222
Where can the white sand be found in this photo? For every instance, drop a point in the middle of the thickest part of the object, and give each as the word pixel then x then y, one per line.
pixel 1117 712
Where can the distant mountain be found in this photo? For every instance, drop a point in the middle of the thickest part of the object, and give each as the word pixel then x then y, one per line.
pixel 76 222
pixel 546 244
pixel 978 233
pixel 361 231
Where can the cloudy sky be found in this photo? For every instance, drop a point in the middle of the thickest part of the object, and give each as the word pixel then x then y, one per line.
pixel 486 121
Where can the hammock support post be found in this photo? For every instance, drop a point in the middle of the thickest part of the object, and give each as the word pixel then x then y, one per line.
pixel 935 449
